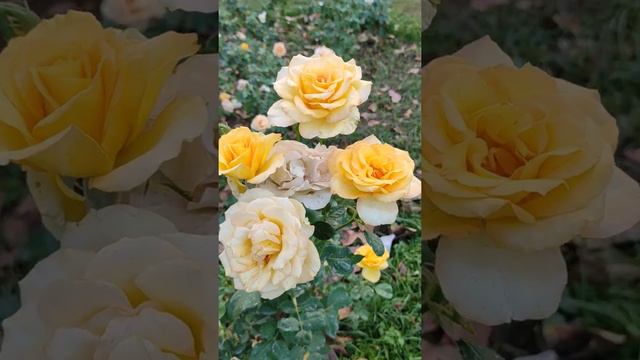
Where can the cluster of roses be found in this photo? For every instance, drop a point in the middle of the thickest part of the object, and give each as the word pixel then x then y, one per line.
pixel 102 120
pixel 266 235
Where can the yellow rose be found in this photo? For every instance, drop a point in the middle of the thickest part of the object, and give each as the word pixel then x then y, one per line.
pixel 80 101
pixel 124 285
pixel 377 175
pixel 247 155
pixel 267 246
pixel 372 264
pixel 321 93
pixel 244 46
pixel 516 163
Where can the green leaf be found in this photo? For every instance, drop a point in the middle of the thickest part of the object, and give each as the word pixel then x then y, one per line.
pixel 16 20
pixel 314 320
pixel 304 336
pixel 313 216
pixel 288 324
pixel 470 351
pixel 338 298
pixel 241 301
pixel 338 257
pixel 331 320
pixel 223 129
pixel 323 230
pixel 268 329
pixel 375 242
pixel 384 290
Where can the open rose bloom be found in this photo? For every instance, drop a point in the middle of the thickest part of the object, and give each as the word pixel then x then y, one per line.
pixel 377 175
pixel 320 93
pixel 516 163
pixel 81 101
pixel 267 245
pixel 124 285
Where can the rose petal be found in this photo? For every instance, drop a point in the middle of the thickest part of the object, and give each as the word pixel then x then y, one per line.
pixel 484 53
pixel 184 119
pixel 375 213
pixel 493 285
pixel 622 197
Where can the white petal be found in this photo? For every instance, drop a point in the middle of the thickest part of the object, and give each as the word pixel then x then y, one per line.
pixel 375 213
pixel 316 200
pixel 621 207
pixel 108 225
pixel 493 285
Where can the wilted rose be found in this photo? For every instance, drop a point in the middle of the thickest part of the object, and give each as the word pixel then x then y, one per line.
pixel 304 175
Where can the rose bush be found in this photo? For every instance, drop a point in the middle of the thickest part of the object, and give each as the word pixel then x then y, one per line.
pixel 516 163
pixel 124 285
pixel 321 94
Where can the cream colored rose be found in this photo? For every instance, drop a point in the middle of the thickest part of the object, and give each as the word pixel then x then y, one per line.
pixel 304 175
pixel 376 174
pixel 260 123
pixel 267 246
pixel 516 163
pixel 80 102
pixel 124 285
pixel 321 93
pixel 136 13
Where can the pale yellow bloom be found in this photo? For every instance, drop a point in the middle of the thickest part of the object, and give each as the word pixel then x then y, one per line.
pixel 377 175
pixel 248 155
pixel 260 123
pixel 244 46
pixel 321 93
pixel 124 285
pixel 279 49
pixel 516 163
pixel 371 263
pixel 82 101
pixel 267 246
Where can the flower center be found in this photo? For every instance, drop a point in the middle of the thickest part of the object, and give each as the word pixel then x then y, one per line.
pixel 266 241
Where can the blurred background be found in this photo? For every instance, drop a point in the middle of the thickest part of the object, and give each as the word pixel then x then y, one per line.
pixel 595 44
pixel 383 36
pixel 23 239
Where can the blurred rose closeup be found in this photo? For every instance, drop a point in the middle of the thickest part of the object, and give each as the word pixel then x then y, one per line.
pixel 80 101
pixel 516 163
pixel 124 285
pixel 267 246
pixel 377 175
pixel 304 175
pixel 321 94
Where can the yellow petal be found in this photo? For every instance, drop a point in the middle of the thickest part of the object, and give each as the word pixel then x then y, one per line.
pixel 371 275
pixel 182 120
pixel 484 53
